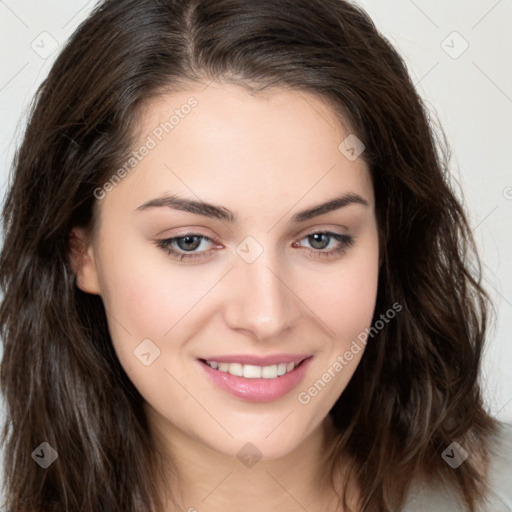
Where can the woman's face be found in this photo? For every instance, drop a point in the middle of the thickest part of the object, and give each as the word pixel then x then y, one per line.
pixel 253 283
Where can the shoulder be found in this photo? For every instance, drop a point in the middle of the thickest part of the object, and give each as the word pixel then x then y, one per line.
pixel 501 470
pixel 426 498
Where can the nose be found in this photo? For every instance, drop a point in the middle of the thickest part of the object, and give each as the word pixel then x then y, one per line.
pixel 262 304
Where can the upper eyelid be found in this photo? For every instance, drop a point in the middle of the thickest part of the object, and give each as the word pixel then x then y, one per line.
pixel 213 241
pixel 305 232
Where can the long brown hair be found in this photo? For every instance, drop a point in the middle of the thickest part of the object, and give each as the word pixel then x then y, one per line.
pixel 416 388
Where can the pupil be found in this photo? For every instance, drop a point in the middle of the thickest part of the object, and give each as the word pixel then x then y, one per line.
pixel 187 241
pixel 317 241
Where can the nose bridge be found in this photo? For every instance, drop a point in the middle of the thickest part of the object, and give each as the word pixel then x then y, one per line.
pixel 262 302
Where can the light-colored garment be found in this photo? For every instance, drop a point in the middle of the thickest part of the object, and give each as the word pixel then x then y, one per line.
pixel 429 499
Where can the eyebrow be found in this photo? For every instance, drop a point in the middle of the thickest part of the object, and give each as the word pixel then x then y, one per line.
pixel 219 212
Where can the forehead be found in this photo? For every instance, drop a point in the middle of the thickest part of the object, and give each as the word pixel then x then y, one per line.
pixel 279 118
pixel 221 141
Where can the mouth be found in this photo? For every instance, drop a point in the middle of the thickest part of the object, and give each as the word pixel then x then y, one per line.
pixel 252 371
pixel 239 376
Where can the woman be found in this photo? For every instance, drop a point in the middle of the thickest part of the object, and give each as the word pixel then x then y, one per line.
pixel 190 171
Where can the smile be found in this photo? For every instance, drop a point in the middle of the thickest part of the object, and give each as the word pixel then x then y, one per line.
pixel 257 383
pixel 250 371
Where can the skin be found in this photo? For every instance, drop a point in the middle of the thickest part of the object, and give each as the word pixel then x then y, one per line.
pixel 265 158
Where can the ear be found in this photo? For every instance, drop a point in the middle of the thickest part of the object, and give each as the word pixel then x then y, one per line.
pixel 82 261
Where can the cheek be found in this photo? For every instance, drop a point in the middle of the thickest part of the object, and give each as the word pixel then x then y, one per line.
pixel 139 305
pixel 345 297
pixel 144 293
pixel 137 301
pixel 346 304
pixel 156 300
pixel 143 305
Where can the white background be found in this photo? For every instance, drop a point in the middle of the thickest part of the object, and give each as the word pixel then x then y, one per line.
pixel 471 95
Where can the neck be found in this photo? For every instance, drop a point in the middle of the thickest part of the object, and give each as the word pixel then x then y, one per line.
pixel 202 478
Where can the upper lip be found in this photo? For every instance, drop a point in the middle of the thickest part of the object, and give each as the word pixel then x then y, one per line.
pixel 255 360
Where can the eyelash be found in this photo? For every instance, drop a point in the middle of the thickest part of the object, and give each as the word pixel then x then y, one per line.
pixel 346 241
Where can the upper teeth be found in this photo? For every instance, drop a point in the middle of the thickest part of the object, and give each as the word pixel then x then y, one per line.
pixel 250 371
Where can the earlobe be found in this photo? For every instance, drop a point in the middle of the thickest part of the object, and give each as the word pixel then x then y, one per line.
pixel 82 261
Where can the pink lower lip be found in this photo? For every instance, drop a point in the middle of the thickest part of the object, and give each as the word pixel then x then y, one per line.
pixel 258 390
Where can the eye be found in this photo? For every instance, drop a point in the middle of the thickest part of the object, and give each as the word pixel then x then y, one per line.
pixel 185 244
pixel 186 247
pixel 321 240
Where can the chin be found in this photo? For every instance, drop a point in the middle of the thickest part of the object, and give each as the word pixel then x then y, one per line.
pixel 261 446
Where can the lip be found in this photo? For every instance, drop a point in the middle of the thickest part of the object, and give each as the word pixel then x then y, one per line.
pixel 259 360
pixel 257 390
